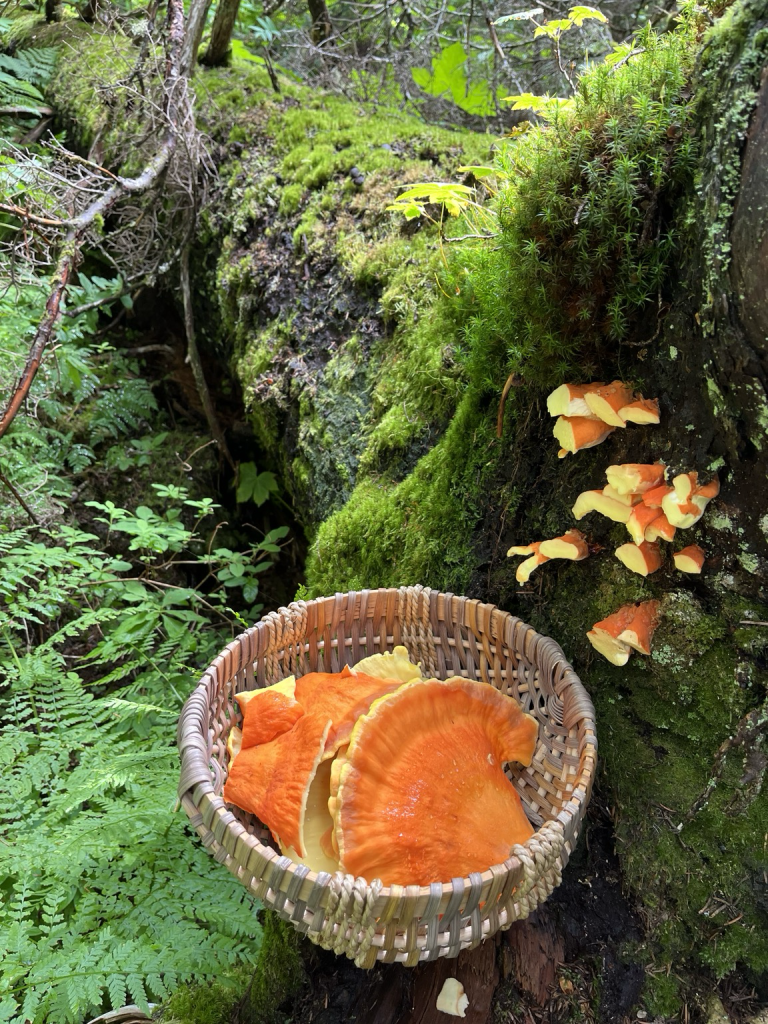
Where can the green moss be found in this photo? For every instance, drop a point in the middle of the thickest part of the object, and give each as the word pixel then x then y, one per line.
pixel 251 994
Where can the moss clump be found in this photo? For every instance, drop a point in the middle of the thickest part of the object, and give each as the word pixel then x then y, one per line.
pixel 251 994
pixel 584 218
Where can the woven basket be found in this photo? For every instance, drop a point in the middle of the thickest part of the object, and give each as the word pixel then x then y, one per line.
pixel 449 636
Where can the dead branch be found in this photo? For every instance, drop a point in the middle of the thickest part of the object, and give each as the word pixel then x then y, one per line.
pixel 175 101
pixel 193 358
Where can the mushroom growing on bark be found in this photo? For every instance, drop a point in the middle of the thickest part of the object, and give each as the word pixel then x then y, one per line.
pixel 685 503
pixel 689 559
pixel 642 558
pixel 524 570
pixel 452 998
pixel 577 432
pixel 606 402
pixel 632 626
pixel 597 501
pixel 643 411
pixel 635 478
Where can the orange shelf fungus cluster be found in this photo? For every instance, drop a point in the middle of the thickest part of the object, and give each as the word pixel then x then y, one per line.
pixel 377 772
pixel 588 413
pixel 635 494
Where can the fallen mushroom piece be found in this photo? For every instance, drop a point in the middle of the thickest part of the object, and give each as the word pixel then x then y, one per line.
pixel 640 629
pixel 642 558
pixel 422 795
pixel 596 501
pixel 577 432
pixel 635 478
pixel 660 529
pixel 268 712
pixel 640 519
pixel 396 665
pixel 572 545
pixel 568 400
pixel 452 998
pixel 606 401
pixel 689 559
pixel 643 411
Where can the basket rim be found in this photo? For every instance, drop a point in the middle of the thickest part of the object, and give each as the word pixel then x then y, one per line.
pixel 231 832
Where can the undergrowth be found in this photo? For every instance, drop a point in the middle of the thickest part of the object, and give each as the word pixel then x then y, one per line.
pixel 106 897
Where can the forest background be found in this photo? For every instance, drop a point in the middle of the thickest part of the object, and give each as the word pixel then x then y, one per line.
pixel 244 377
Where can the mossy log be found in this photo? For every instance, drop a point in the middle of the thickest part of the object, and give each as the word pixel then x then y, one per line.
pixel 348 332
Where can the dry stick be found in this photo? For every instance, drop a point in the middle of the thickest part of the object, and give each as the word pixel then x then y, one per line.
pixel 193 358
pixel 4 479
pixel 80 225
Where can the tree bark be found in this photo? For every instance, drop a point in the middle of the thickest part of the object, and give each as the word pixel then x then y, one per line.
pixel 221 33
pixel 322 29
pixel 198 12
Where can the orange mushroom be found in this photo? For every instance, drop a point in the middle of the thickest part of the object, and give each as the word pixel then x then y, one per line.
pixel 421 794
pixel 635 478
pixel 597 501
pixel 643 411
pixel 684 505
pixel 640 519
pixel 568 400
pixel 654 497
pixel 640 629
pixel 268 712
pixel 625 499
pixel 642 558
pixel 632 626
pixel 604 636
pixel 660 529
pixel 577 432
pixel 273 780
pixel 606 402
pixel 524 570
pixel 689 559
pixel 572 545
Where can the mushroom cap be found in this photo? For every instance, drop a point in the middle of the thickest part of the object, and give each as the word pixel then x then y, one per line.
pixel 273 779
pixel 616 651
pixel 577 432
pixel 596 501
pixel 341 697
pixel 526 568
pixel 642 558
pixel 268 712
pixel 422 796
pixel 606 402
pixel 660 529
pixel 640 629
pixel 317 825
pixel 634 477
pixel 643 411
pixel 642 517
pixel 568 400
pixel 689 559
pixel 572 545
pixel 396 665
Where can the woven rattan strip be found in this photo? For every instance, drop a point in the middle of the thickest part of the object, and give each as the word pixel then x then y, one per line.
pixel 449 636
